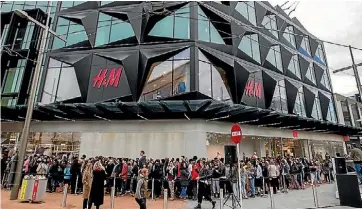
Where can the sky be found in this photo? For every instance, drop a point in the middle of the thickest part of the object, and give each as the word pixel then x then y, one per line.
pixel 337 21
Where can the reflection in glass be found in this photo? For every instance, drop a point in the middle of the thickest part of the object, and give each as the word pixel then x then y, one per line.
pixel 319 55
pixel 270 23
pixel 355 114
pixel 109 28
pixel 311 74
pixel 176 25
pixel 331 115
pixel 206 29
pixel 299 107
pixel 275 58
pixel 316 110
pixel 70 31
pixel 325 80
pixel 346 113
pixel 294 66
pixel 250 45
pixel 213 81
pixel 279 102
pixel 60 84
pixel 247 9
pixel 304 47
pixel 289 35
pixel 167 78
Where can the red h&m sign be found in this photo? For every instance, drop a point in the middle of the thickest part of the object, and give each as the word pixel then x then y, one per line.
pixel 106 79
pixel 253 89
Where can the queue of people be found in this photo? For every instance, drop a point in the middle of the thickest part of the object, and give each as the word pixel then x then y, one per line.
pixel 183 178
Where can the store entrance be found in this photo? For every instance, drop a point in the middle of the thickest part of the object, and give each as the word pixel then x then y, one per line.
pixel 285 147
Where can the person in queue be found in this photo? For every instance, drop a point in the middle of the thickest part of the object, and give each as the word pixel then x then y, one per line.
pixel 204 186
pixel 87 176
pixel 141 188
pixel 356 155
pixel 96 194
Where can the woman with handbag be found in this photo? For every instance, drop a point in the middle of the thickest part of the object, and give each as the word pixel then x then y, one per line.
pixel 87 182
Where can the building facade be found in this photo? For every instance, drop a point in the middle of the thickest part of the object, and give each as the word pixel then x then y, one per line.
pixel 349 112
pixel 203 63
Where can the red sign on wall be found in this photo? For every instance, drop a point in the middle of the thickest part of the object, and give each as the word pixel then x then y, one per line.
pixel 295 133
pixel 106 79
pixel 346 138
pixel 253 89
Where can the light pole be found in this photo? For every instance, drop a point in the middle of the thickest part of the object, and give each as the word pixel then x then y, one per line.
pixel 31 99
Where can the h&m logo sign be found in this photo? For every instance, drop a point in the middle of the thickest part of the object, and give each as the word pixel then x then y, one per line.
pixel 107 78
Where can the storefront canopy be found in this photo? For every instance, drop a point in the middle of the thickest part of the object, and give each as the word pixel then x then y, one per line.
pixel 207 109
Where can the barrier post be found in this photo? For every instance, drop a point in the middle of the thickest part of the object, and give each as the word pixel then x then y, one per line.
pixel 65 192
pixel 113 190
pixel 153 187
pixel 271 197
pixel 76 185
pixel 221 198
pixel 264 188
pixel 165 193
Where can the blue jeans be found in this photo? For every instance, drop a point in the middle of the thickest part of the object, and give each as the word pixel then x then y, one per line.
pixel 357 166
pixel 183 191
pixel 252 185
pixel 243 184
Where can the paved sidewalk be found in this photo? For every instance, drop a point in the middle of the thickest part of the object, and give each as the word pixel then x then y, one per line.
pixel 295 199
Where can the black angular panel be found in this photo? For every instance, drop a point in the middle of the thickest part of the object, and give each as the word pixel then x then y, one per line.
pixel 260 12
pixel 298 37
pixel 318 73
pixel 304 65
pixel 264 48
pixel 324 101
pixel 237 29
pixel 129 60
pixel 253 89
pixel 242 76
pixel 309 100
pixel 286 58
pixel 82 71
pixel 269 87
pixel 313 46
pixel 291 95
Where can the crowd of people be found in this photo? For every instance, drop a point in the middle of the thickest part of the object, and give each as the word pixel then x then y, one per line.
pixel 183 178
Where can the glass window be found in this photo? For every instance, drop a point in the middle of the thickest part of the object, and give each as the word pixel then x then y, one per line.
pixel 71 32
pixel 67 4
pixel 325 80
pixel 294 66
pixel 213 80
pixel 355 115
pixel 109 28
pixel 14 78
pixel 270 23
pixel 310 73
pixel 105 2
pixel 289 35
pixel 279 102
pixel 247 9
pixel 346 114
pixel 176 25
pixel 299 107
pixel 167 78
pixel 60 83
pixel 8 101
pixel 28 36
pixel 317 111
pixel 206 29
pixel 319 55
pixel 275 58
pixel 250 45
pixel 68 87
pixel 6 6
pixel 331 115
pixel 4 34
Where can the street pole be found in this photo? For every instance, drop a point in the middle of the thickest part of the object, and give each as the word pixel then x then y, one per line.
pixel 355 71
pixel 29 112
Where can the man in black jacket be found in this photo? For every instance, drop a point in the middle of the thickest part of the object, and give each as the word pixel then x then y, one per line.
pixel 75 171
